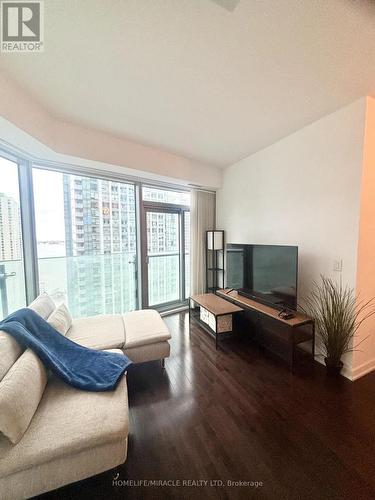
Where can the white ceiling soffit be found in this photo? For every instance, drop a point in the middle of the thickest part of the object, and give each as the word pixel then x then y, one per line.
pixel 192 78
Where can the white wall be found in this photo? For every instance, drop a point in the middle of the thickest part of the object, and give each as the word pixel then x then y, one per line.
pixel 303 190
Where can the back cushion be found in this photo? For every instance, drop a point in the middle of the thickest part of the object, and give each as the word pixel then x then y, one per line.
pixel 20 393
pixel 10 351
pixel 43 305
pixel 61 319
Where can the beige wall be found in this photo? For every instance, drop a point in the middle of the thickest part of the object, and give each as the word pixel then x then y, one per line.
pixel 79 142
pixel 303 190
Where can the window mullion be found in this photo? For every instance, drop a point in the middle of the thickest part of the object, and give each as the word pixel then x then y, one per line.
pixel 182 255
pixel 28 229
pixel 138 229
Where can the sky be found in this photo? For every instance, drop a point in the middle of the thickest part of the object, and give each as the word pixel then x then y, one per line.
pixel 9 178
pixel 49 205
pixel 48 197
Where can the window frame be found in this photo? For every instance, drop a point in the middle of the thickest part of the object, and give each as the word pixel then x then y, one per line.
pixel 26 162
pixel 161 207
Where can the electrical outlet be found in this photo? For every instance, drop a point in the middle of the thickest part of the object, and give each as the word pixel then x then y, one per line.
pixel 337 265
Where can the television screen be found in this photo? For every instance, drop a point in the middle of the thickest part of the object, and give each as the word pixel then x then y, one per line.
pixel 267 273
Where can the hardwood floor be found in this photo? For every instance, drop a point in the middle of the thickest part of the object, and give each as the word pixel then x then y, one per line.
pixel 237 414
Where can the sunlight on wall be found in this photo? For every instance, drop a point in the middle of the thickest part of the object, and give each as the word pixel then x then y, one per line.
pixel 364 357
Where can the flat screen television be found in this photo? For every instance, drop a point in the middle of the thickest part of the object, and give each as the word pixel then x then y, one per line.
pixel 266 273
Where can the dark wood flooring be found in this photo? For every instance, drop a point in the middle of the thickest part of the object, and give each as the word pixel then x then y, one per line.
pixel 237 414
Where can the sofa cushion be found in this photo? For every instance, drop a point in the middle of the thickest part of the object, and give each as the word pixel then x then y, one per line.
pixel 105 331
pixel 68 421
pixel 61 319
pixel 10 351
pixel 20 393
pixel 43 305
pixel 144 327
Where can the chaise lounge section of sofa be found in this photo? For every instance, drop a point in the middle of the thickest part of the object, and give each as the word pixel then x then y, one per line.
pixel 141 335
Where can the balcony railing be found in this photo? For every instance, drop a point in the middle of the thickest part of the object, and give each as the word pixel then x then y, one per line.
pixel 91 284
pixel 94 284
pixel 164 277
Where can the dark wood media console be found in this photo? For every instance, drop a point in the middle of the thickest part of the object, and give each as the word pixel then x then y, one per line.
pixel 265 323
pixel 214 314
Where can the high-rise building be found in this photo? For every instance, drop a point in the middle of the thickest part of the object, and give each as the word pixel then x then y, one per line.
pixel 100 241
pixel 10 234
pixel 100 245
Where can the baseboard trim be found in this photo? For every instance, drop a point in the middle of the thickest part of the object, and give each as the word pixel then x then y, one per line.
pixel 347 373
pixel 363 369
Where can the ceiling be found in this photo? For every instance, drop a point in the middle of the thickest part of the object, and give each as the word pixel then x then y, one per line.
pixel 211 83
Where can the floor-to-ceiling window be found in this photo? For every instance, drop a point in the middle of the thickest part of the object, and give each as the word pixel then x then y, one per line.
pixel 12 282
pixel 166 246
pixel 86 241
pixel 102 244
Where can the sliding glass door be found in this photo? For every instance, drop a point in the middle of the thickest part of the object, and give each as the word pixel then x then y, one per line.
pixel 163 257
pixel 166 247
pixel 12 277
pixel 86 242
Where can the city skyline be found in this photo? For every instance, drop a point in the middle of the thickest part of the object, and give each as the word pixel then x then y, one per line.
pixel 100 230
pixel 86 232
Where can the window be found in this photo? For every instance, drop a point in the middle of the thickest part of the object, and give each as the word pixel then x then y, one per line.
pixel 12 281
pixel 159 195
pixel 85 253
pixel 163 257
pixel 166 249
pixel 84 248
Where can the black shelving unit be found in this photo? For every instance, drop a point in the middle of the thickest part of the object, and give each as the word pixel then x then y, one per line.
pixel 214 260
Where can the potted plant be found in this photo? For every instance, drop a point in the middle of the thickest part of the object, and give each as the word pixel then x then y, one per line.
pixel 338 315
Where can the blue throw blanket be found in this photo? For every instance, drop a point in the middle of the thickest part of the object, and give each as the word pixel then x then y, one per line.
pixel 76 365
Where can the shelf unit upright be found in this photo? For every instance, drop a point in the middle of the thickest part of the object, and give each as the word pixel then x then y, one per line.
pixel 214 260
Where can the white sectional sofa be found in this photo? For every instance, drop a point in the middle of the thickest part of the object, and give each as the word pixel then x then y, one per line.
pixel 52 434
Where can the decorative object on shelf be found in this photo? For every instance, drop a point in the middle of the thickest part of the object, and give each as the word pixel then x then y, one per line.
pixel 338 316
pixel 214 260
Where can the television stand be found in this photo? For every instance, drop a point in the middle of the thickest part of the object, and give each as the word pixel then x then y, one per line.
pixel 212 313
pixel 264 322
